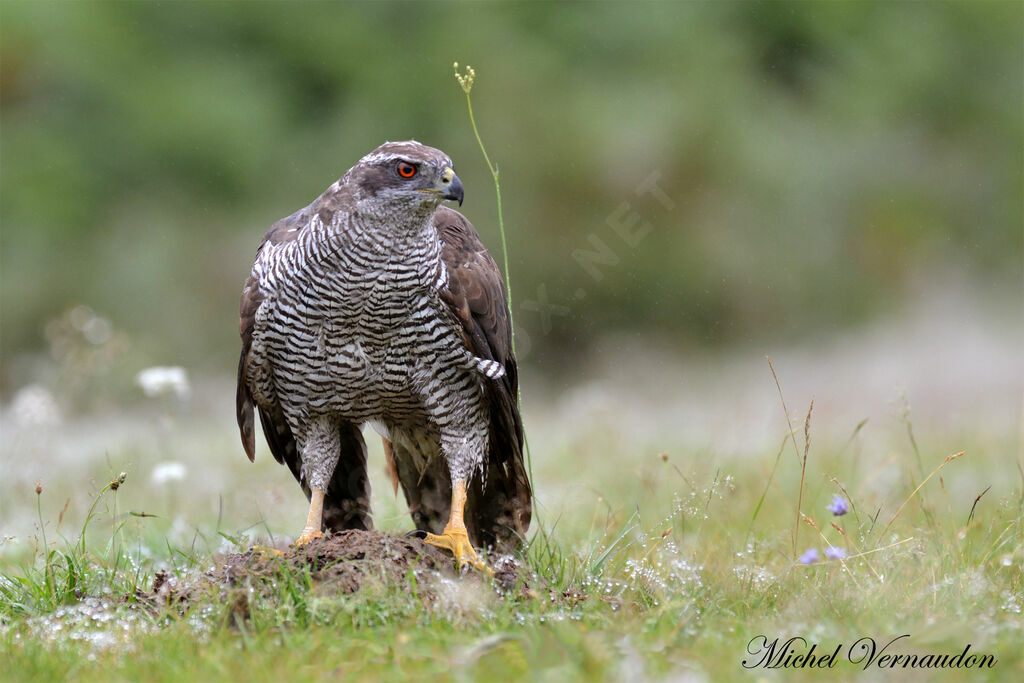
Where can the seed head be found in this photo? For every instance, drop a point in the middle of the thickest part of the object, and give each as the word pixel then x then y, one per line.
pixel 465 80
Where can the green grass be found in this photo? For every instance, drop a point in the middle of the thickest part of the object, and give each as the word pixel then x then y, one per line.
pixel 663 566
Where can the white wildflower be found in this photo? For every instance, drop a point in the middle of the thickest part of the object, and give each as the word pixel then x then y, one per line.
pixel 168 471
pixel 35 406
pixel 159 381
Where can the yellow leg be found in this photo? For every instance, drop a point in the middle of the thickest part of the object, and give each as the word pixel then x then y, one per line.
pixel 455 537
pixel 314 520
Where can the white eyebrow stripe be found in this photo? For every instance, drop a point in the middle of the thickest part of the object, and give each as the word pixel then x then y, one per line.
pixel 376 157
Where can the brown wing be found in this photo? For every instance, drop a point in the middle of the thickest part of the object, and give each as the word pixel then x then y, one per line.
pixel 499 507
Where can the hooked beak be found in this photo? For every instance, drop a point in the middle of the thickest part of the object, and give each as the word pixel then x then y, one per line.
pixel 452 186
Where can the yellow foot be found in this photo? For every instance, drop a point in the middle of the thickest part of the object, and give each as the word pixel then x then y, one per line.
pixel 308 534
pixel 266 552
pixel 456 541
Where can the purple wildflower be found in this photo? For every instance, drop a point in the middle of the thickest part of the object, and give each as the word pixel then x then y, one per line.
pixel 838 506
pixel 809 557
pixel 834 553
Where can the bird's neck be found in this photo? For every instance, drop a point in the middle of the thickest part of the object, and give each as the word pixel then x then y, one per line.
pixel 407 240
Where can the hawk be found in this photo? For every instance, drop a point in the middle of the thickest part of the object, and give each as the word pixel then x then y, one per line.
pixel 376 305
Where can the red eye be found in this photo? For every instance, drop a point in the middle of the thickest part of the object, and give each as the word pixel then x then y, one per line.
pixel 406 170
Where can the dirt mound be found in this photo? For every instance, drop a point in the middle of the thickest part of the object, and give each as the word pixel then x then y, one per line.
pixel 339 563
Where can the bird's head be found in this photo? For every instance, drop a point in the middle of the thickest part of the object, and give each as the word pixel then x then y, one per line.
pixel 406 176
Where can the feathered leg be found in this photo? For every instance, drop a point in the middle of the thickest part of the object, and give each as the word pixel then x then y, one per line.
pixel 321 449
pixel 345 504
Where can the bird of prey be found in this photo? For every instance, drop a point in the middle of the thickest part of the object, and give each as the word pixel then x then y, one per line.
pixel 377 305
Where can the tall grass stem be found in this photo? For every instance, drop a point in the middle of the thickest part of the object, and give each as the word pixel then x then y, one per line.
pixel 466 82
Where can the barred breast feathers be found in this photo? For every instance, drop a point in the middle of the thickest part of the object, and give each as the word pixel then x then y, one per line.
pixel 328 271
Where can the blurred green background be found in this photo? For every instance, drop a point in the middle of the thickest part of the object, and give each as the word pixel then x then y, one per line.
pixel 820 162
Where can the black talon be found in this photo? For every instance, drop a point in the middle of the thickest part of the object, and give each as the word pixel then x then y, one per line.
pixel 416 533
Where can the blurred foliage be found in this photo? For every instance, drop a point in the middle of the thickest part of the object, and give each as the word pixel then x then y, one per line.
pixel 819 159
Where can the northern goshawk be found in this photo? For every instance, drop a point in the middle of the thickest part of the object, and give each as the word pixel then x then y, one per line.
pixel 376 305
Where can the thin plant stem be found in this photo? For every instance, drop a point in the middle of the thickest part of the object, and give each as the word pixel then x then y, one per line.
pixel 949 459
pixel 48 579
pixel 466 82
pixel 803 464
pixel 467 86
pixel 803 468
